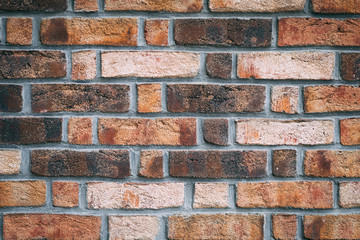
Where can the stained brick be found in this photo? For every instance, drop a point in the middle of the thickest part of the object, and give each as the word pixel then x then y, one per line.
pixel 223 32
pixel 34 5
pixel 11 99
pixel 349 131
pixel 83 65
pixel 65 194
pixel 285 99
pixel 284 163
pixel 336 6
pixel 185 6
pixel 156 32
pixel 10 161
pixel 219 65
pixel 19 31
pixel 64 163
pixel 256 5
pixel 217 164
pixel 350 66
pixel 215 98
pixel 86 5
pixel 349 194
pixel 151 164
pixel 80 131
pixel 216 131
pixel 149 98
pixel 284 226
pixel 211 195
pixel 89 31
pixel 302 194
pixel 80 98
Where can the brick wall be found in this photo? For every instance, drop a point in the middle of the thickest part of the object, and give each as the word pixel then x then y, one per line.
pixel 179 119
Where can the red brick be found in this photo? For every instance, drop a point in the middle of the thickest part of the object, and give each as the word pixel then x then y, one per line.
pixel 51 226
pixel 216 131
pixel 65 194
pixel 285 99
pixel 285 195
pixel 185 6
pixel 10 161
pixel 284 226
pixel 32 64
pixel 217 164
pixel 86 5
pixel 149 98
pixel 89 31
pixel 22 193
pixel 350 66
pixel 80 98
pixel 160 131
pixel 34 5
pixel 80 131
pixel 11 99
pixel 284 163
pixel 256 5
pixel 19 31
pixel 216 226
pixel 336 6
pixel 156 32
pixel 350 131
pixel 211 195
pixel 151 164
pixel 219 65
pixel 332 227
pixel 83 65
pixel 349 194
pixel 325 98
pixel 319 32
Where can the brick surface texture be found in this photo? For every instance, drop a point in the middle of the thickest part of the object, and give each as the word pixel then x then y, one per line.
pixel 179 119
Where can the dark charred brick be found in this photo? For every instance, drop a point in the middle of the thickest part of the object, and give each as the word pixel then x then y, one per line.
pixel 30 130
pixel 80 98
pixel 34 5
pixel 284 162
pixel 350 66
pixel 217 164
pixel 216 131
pixel 32 64
pixel 65 163
pixel 215 98
pixel 10 98
pixel 219 65
pixel 223 32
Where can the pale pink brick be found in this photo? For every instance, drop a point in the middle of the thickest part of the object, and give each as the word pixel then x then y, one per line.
pixel 211 195
pixel 256 5
pixel 285 99
pixel 83 65
pixel 349 194
pixel 10 161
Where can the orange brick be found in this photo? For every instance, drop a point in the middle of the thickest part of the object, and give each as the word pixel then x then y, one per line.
pixel 151 164
pixel 80 131
pixel 157 32
pixel 19 31
pixel 65 194
pixel 350 131
pixel 284 226
pixel 85 6
pixel 149 98
pixel 336 6
pixel 184 6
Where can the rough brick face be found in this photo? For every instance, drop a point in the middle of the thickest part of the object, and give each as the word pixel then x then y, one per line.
pixel 256 6
pixel 10 161
pixel 349 194
pixel 103 163
pixel 184 6
pixel 336 6
pixel 350 66
pixel 151 164
pixel 332 227
pixel 135 195
pixel 34 5
pixel 211 195
pixel 19 31
pixel 217 226
pixel 215 98
pixel 318 32
pixel 149 98
pixel 284 163
pixel 89 31
pixel 284 226
pixel 350 131
pixel 80 131
pixel 65 194
pixel 51 226
pixel 161 131
pixel 216 131
pixel 217 164
pixel 285 194
pixel 223 32
pixel 83 65
pixel 22 193
pixel 157 32
pixel 219 65
pixel 80 98
pixel 285 99
pixel 86 5
pixel 11 99
pixel 32 64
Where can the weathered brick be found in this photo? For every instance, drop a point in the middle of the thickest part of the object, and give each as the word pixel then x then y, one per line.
pixel 318 32
pixel 151 164
pixel 160 131
pixel 135 195
pixel 291 132
pixel 284 226
pixel 285 99
pixel 80 98
pixel 285 195
pixel 216 226
pixel 211 195
pixel 89 31
pixel 184 6
pixel 149 98
pixel 216 131
pixel 65 194
pixel 219 65
pixel 133 227
pixel 223 32
pixel 350 66
pixel 217 164
pixel 11 99
pixel 256 5
pixel 329 163
pixel 85 5
pixel 349 194
pixel 332 227
pixel 10 161
pixel 83 65
pixel 34 5
pixel 336 6
pixel 32 64
pixel 286 65
pixel 30 130
pixel 80 131
pixel 156 32
pixel 102 163
pixel 215 98
pixel 22 193
pixel 349 131
pixel 329 98
pixel 284 163
pixel 19 31
pixel 149 64
pixel 51 226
